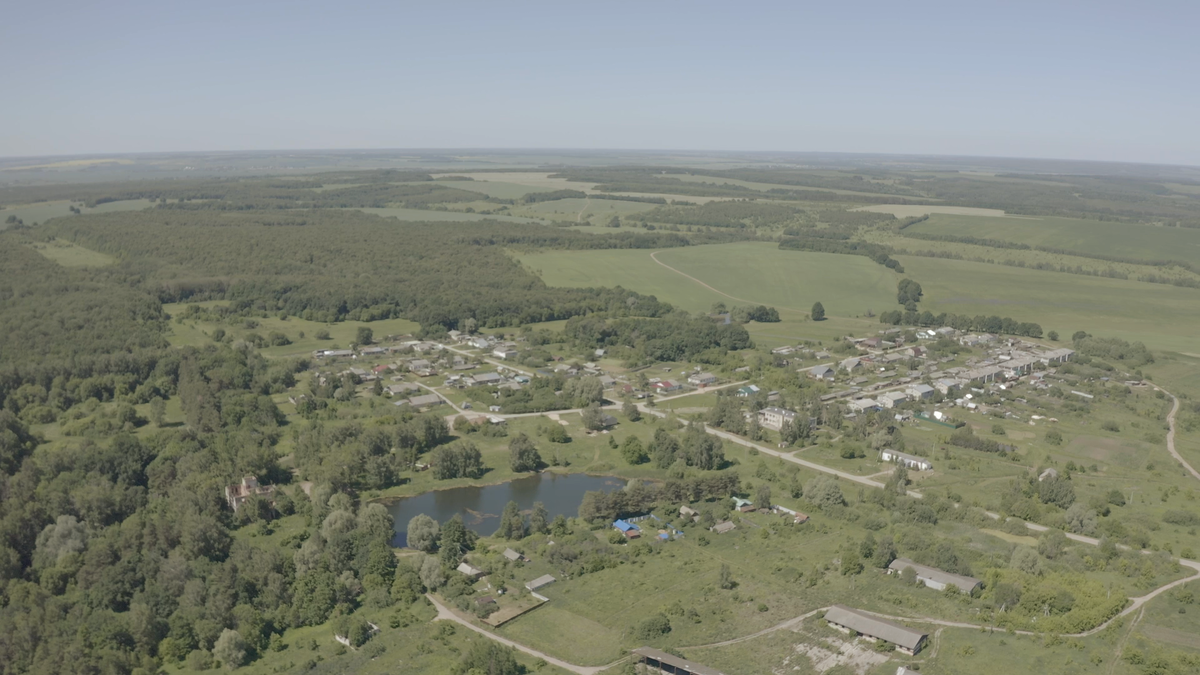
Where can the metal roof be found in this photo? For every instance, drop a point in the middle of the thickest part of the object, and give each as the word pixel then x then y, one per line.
pixel 679 665
pixel 875 627
pixel 964 583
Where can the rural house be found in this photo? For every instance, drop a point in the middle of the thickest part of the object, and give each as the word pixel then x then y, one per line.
pixel 747 391
pixel 935 578
pixel 892 399
pixel 665 386
pixel 702 379
pixel 821 373
pixel 907 640
pixel 426 401
pixel 920 392
pixel 851 364
pixel 469 570
pixel 630 530
pixel 722 528
pixel 514 556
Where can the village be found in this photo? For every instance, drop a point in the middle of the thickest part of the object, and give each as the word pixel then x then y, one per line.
pixel 933 377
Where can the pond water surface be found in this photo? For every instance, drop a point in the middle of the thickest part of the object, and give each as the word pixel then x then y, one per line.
pixel 481 507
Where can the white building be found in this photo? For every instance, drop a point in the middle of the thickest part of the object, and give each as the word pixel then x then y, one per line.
pixel 775 418
pixel 911 461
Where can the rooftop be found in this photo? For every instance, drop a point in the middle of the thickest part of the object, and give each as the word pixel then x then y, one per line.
pixel 874 626
pixel 964 583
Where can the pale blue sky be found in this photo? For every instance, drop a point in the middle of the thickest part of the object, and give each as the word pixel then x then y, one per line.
pixel 1078 80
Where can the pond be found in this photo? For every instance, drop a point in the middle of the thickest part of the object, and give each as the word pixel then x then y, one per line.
pixel 480 507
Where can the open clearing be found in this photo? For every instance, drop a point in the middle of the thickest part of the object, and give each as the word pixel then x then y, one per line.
pixel 1087 237
pixel 1163 317
pixel 544 181
pixel 753 272
pixel 43 211
pixel 910 210
pixel 70 255
pixel 421 215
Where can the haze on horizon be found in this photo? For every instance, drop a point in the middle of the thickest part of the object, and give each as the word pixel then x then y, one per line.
pixel 1103 81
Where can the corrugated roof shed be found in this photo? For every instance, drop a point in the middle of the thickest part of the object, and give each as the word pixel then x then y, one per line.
pixel 964 583
pixel 875 627
pixel 544 580
pixel 679 665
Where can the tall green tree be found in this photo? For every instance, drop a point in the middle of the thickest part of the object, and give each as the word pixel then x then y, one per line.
pixel 818 312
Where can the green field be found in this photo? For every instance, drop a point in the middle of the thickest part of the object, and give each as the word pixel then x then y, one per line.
pixel 70 255
pixel 421 215
pixel 341 334
pixel 599 210
pixel 1163 317
pixel 741 273
pixel 1088 237
pixel 43 211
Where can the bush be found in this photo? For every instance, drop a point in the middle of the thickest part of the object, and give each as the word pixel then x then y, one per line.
pixel 1109 425
pixel 652 628
pixel 1176 517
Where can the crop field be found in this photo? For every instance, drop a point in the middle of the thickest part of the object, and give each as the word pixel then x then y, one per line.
pixel 71 255
pixel 421 215
pixel 1088 237
pixel 1161 316
pixel 910 210
pixel 763 187
pixel 742 273
pixel 496 188
pixel 600 210
pixel 43 211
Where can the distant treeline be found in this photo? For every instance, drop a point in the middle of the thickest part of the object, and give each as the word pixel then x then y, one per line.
pixel 877 252
pixel 962 322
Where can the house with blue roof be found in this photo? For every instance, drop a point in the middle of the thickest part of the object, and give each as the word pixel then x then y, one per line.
pixel 630 530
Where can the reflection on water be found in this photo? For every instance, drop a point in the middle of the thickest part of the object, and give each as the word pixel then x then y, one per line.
pixel 481 507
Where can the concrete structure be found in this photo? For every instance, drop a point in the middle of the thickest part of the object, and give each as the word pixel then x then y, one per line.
pixel 935 578
pixel 654 661
pixel 846 619
pixel 911 461
pixel 236 495
pixel 863 405
pixel 506 353
pixel 1057 356
pixel 920 392
pixel 775 418
pixel 892 399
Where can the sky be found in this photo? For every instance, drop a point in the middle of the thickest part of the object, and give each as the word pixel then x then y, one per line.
pixel 1071 80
